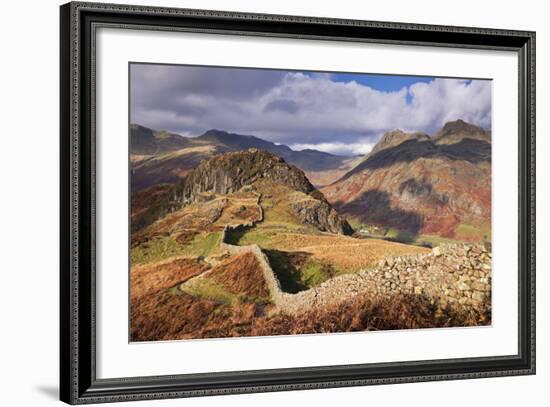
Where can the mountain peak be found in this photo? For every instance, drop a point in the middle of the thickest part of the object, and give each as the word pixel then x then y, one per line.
pixel 147 141
pixel 460 125
pixel 214 134
pixel 457 130
pixel 234 141
pixel 395 137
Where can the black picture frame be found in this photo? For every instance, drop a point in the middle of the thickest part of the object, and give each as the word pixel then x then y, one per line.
pixel 78 382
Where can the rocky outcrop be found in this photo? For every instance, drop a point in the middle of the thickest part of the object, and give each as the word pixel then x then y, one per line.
pixel 228 173
pixel 321 215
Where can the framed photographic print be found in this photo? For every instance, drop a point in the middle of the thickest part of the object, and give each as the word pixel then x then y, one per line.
pixel 256 203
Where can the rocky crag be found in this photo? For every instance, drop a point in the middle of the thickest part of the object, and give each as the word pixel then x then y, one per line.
pixel 228 173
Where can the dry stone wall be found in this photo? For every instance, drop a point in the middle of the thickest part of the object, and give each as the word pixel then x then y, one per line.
pixel 457 276
pixel 450 276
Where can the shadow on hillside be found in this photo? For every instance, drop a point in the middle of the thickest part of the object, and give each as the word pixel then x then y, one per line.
pixel 471 150
pixel 234 235
pixel 286 266
pixel 424 189
pixel 374 207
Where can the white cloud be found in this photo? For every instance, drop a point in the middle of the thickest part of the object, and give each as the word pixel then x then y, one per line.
pixel 346 149
pixel 444 100
pixel 309 111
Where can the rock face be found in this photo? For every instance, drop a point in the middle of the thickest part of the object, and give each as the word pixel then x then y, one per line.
pixel 422 185
pixel 229 172
pixel 320 214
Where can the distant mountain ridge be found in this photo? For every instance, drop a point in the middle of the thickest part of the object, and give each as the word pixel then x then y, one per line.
pixel 163 157
pixel 307 159
pixel 145 141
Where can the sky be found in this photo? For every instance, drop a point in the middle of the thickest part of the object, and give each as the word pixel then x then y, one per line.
pixel 339 113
